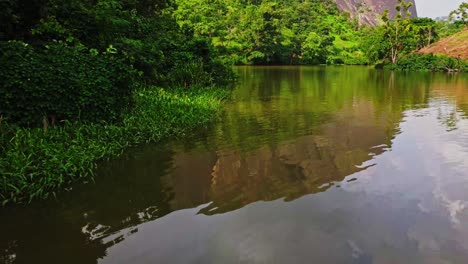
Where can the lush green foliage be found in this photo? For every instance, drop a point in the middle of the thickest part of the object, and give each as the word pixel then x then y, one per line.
pixel 401 37
pixel 397 30
pixel 460 14
pixel 63 83
pixel 143 32
pixel 305 32
pixel 274 32
pixel 398 36
pixel 68 72
pixel 37 163
pixel 78 59
pixel 417 62
pixel 446 28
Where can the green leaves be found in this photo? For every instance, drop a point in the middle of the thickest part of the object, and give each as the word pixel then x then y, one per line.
pixel 267 32
pixel 430 62
pixel 62 83
pixel 460 14
pixel 397 31
pixel 66 98
pixel 34 164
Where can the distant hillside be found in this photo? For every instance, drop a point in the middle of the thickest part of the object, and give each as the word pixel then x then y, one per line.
pixel 453 46
pixel 369 11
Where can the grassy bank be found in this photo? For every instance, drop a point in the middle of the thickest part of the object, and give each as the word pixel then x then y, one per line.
pixel 36 164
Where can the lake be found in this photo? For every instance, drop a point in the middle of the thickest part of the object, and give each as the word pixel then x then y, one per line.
pixel 307 165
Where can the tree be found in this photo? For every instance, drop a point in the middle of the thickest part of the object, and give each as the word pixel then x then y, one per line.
pixel 396 30
pixel 271 31
pixel 374 44
pixel 424 31
pixel 460 14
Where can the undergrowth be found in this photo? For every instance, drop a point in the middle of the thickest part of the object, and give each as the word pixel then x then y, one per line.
pixel 37 163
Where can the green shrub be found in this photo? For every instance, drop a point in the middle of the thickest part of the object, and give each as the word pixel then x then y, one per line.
pixel 429 62
pixel 63 82
pixel 195 63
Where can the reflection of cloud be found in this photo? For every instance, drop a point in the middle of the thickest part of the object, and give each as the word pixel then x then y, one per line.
pixel 392 222
pixel 94 232
pixel 456 154
pixel 444 156
pixel 397 163
pixel 455 207
pixel 8 256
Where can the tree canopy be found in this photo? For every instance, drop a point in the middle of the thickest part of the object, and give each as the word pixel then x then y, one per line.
pixel 273 32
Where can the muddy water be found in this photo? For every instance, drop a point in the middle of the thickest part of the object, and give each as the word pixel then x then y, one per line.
pixel 307 165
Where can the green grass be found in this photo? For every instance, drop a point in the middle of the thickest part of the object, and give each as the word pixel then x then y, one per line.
pixel 462 35
pixel 344 44
pixel 36 164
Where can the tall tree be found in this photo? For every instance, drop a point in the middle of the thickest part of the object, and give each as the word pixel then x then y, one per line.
pixel 460 14
pixel 396 30
pixel 424 31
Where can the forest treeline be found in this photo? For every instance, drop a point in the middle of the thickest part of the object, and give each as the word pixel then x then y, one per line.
pixel 305 32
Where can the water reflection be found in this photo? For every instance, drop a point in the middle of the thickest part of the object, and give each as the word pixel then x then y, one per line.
pixel 395 144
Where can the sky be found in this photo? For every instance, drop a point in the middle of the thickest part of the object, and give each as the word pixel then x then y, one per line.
pixel 436 8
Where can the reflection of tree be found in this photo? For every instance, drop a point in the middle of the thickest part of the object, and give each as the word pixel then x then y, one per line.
pixel 311 132
pixel 278 104
pixel 290 132
pixel 27 238
pixel 296 167
pixel 454 86
pixel 129 192
pixel 455 96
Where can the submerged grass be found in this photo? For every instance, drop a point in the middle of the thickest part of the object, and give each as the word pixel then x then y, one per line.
pixel 35 164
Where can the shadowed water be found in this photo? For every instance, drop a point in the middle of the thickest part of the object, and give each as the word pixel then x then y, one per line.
pixel 307 165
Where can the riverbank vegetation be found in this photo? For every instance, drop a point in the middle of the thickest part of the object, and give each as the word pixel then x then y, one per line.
pixel 274 32
pixel 401 38
pixel 35 163
pixel 309 32
pixel 83 80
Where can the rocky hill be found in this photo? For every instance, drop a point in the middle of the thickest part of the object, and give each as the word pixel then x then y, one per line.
pixel 455 46
pixel 369 11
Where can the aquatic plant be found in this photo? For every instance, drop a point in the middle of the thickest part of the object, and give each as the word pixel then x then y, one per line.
pixel 37 163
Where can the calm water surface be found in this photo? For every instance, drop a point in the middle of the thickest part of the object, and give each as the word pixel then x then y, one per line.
pixel 308 165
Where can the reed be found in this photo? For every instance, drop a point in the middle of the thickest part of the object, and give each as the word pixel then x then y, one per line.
pixel 37 163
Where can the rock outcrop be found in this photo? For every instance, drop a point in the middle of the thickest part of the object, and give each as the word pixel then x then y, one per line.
pixel 369 11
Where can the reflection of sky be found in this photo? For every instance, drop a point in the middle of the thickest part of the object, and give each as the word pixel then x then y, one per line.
pixel 410 206
pixel 436 8
pixel 407 203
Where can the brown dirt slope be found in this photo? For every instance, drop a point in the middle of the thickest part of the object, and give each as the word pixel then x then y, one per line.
pixel 453 46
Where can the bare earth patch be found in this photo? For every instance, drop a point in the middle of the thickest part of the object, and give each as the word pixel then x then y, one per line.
pixel 453 46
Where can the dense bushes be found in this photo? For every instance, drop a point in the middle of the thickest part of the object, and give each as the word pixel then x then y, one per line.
pixel 400 37
pixel 36 164
pixel 273 32
pixel 68 70
pixel 430 62
pixel 63 83
pixel 78 60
